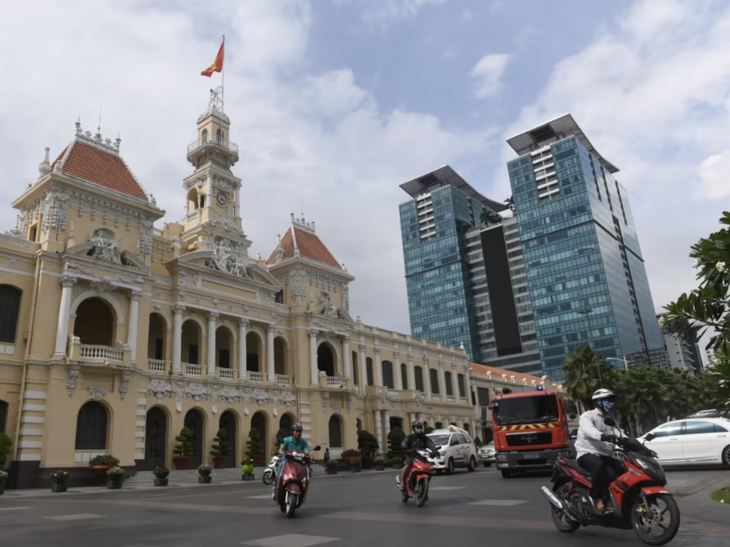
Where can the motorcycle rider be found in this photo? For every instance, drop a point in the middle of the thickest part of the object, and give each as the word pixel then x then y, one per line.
pixel 293 443
pixel 594 448
pixel 416 440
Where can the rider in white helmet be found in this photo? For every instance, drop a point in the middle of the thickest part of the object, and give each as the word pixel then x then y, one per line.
pixel 594 449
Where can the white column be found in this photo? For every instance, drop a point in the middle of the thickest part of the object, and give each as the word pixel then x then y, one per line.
pixel 347 357
pixel 133 324
pixel 467 381
pixel 64 312
pixel 397 372
pixel 442 381
pixel 386 420
pixel 427 378
pixel 378 368
pixel 411 373
pixel 363 369
pixel 412 417
pixel 242 326
pixel 177 325
pixel 270 353
pixel 212 321
pixel 313 356
pixel 379 430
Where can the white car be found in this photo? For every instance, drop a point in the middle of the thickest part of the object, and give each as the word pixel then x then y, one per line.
pixel 487 454
pixel 691 441
pixel 456 449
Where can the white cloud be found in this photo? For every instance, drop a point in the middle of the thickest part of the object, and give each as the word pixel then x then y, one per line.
pixel 651 94
pixel 302 135
pixel 385 11
pixel 488 74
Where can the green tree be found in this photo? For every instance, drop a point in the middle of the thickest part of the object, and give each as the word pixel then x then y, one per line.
pixel 367 443
pixel 254 447
pixel 221 446
pixel 395 438
pixel 585 371
pixel 6 445
pixel 184 447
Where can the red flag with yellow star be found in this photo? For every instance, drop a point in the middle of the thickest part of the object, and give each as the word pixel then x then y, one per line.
pixel 217 65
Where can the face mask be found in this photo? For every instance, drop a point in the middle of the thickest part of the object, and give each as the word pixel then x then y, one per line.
pixel 607 406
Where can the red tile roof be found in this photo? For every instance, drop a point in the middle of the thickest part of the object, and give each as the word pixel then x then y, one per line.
pixel 309 245
pixel 97 166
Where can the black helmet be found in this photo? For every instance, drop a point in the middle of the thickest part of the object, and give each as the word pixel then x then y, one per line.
pixel 296 427
pixel 417 426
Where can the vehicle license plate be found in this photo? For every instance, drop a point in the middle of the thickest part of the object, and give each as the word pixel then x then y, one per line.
pixel 532 456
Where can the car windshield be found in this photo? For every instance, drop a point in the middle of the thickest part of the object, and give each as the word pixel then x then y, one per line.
pixel 439 440
pixel 526 410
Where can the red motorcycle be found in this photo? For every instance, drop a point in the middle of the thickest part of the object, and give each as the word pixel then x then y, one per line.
pixel 639 497
pixel 418 479
pixel 294 484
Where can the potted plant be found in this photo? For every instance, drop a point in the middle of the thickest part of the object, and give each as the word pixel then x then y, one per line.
pixel 59 481
pixel 161 474
pixel 183 449
pixel 397 462
pixel 368 445
pixel 204 472
pixel 5 448
pixel 115 476
pixel 254 448
pixel 221 449
pixel 331 468
pixel 353 459
pixel 3 480
pixel 247 469
pixel 100 465
pixel 356 465
pixel 379 463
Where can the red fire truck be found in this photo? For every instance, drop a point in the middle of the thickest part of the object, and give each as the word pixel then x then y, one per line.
pixel 530 430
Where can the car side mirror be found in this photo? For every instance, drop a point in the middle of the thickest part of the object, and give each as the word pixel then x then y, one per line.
pixel 610 422
pixel 316 448
pixel 649 437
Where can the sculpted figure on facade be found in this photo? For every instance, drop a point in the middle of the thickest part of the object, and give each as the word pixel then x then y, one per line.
pixel 160 389
pixel 229 257
pixel 106 248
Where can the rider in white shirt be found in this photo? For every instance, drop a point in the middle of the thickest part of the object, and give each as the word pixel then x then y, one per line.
pixel 594 449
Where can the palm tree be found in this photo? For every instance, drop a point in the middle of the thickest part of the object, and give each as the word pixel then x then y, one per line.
pixel 510 202
pixel 583 371
pixel 489 217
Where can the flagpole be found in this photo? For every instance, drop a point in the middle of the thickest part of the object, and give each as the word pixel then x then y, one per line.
pixel 223 77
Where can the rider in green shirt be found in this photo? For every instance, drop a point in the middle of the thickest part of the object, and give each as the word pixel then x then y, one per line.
pixel 295 442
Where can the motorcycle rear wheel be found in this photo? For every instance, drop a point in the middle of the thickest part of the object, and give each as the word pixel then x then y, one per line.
pixel 655 515
pixel 422 492
pixel 560 519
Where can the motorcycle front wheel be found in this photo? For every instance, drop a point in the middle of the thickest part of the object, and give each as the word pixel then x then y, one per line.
pixel 268 477
pixel 291 504
pixel 663 515
pixel 422 492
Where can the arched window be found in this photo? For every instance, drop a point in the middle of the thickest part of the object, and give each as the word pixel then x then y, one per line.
pixel 434 381
pixel 204 136
pixel 218 136
pixel 449 385
pixel 91 427
pixel 388 375
pixel 9 311
pixel 462 388
pixel 404 375
pixel 369 367
pixel 418 373
pixel 355 372
pixel 3 416
pixel 335 428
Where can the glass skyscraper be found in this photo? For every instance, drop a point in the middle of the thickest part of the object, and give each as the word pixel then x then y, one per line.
pixel 585 271
pixel 434 226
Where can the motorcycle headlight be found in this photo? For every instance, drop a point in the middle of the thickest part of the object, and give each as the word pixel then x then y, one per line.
pixel 652 468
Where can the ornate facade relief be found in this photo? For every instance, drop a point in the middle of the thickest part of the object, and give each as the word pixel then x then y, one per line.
pixel 229 257
pixel 349 398
pixel 196 392
pixel 329 308
pixel 145 237
pixel 97 393
pixel 55 207
pixel 285 398
pixel 188 279
pixel 225 223
pixel 215 392
pixel 106 248
pixel 124 384
pixel 160 389
pixel 73 377
pixel 325 400
pixel 298 283
pixel 230 395
pixel 260 396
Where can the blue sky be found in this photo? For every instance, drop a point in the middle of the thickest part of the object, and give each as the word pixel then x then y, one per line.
pixel 337 102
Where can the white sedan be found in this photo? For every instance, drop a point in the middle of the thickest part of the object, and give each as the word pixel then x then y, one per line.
pixel 691 441
pixel 487 455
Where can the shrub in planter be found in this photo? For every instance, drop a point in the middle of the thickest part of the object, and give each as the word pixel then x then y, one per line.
pixel 397 462
pixel 115 475
pixel 368 462
pixel 161 474
pixel 367 443
pixel 3 481
pixel 221 449
pixel 6 444
pixel 183 449
pixel 254 448
pixel 395 440
pixel 59 481
pixel 204 472
pixel 100 465
pixel 379 463
pixel 332 467
pixel 355 465
pixel 247 469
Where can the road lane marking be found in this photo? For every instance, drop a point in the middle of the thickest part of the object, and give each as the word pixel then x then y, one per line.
pixel 446 487
pixel 13 508
pixel 428 517
pixel 499 503
pixel 79 516
pixel 264 497
pixel 290 540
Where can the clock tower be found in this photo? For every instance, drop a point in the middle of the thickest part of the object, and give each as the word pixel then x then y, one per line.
pixel 212 191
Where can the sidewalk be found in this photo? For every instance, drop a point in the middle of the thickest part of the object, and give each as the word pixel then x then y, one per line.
pixel 697 503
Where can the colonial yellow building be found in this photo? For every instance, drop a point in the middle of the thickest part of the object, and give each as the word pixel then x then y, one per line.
pixel 114 334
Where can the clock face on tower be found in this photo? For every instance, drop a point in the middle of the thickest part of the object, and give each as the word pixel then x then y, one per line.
pixel 222 199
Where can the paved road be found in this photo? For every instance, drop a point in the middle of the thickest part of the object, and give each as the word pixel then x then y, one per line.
pixel 346 509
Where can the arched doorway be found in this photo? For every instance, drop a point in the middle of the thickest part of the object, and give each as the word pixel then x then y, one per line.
pixel 223 346
pixel 228 424
pixel 258 423
pixel 194 422
pixel 95 322
pixel 326 359
pixel 253 352
pixel 335 432
pixel 9 313
pixel 286 421
pixel 3 416
pixel 395 421
pixel 280 355
pixel 192 336
pixel 155 444
pixel 92 424
pixel 156 337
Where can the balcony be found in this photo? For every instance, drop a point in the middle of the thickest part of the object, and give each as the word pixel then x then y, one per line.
pixel 283 380
pixel 226 373
pixel 192 370
pixel 158 366
pixel 200 147
pixel 101 353
pixel 257 377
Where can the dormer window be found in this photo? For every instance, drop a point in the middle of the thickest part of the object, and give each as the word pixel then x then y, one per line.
pixel 204 136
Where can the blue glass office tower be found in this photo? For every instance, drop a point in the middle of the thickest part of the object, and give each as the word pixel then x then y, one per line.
pixel 434 226
pixel 585 271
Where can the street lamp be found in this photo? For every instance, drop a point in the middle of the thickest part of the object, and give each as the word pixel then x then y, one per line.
pixel 626 364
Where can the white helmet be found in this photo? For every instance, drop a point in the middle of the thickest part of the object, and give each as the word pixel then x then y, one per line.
pixel 603 394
